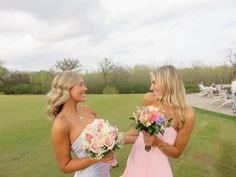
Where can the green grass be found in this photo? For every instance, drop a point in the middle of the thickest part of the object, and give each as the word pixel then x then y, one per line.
pixel 25 147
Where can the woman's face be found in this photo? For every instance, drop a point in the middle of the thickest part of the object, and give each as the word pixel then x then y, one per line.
pixel 155 88
pixel 78 91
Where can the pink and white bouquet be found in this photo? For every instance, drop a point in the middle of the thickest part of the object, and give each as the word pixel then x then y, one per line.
pixel 152 120
pixel 99 137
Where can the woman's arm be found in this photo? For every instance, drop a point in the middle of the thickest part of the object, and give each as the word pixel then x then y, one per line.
pixel 61 147
pixel 182 138
pixel 130 136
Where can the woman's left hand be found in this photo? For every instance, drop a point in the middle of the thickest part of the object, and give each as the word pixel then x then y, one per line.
pixel 149 140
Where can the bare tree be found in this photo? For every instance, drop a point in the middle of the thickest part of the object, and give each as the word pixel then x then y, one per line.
pixel 68 64
pixel 106 66
pixel 197 64
pixel 231 58
pixel 18 77
pixel 118 73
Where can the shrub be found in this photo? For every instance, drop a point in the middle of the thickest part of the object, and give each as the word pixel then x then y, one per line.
pixel 23 89
pixel 110 90
pixel 191 88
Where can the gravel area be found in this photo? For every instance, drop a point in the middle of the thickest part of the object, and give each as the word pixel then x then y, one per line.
pixel 204 103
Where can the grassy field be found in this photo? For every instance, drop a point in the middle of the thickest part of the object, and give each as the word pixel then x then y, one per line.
pixel 25 148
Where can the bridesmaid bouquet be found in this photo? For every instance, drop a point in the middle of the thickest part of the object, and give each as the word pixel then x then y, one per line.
pixel 152 120
pixel 99 137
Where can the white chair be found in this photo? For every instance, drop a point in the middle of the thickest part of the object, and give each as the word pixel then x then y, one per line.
pixel 226 103
pixel 205 91
pixel 221 98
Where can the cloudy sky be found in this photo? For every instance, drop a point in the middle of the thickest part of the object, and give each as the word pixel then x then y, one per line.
pixel 35 34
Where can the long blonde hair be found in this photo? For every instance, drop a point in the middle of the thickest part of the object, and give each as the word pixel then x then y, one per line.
pixel 60 91
pixel 173 91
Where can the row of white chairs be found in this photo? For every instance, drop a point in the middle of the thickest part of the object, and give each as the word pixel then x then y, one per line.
pixel 219 93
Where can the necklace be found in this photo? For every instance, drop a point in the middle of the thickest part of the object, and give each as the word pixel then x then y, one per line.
pixel 81 118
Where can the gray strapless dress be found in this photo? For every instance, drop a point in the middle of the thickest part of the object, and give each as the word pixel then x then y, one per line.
pixel 96 170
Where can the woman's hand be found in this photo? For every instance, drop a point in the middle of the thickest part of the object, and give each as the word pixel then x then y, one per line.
pixel 108 158
pixel 150 140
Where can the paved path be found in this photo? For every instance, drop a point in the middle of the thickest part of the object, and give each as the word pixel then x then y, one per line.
pixel 204 103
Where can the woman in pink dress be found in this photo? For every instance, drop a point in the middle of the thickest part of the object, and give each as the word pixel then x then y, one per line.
pixel 168 93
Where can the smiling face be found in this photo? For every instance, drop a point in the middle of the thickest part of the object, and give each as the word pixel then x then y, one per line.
pixel 155 88
pixel 77 92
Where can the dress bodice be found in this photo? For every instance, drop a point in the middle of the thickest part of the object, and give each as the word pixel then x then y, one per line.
pixel 99 169
pixel 169 135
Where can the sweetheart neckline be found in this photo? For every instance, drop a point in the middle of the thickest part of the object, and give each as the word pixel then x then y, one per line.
pixel 77 137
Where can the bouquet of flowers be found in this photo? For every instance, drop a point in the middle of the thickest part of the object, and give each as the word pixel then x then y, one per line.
pixel 99 137
pixel 152 120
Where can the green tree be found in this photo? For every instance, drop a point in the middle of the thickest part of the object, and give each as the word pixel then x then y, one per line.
pixel 3 73
pixel 18 77
pixel 43 78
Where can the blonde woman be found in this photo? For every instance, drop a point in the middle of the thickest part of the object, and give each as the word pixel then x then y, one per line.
pixel 168 93
pixel 69 120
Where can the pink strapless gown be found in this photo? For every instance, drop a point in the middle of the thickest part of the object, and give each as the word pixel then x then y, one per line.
pixel 154 163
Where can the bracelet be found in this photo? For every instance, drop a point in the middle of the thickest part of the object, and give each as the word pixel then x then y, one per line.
pixel 162 147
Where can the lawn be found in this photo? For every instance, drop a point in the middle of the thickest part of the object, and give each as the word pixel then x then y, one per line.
pixel 25 147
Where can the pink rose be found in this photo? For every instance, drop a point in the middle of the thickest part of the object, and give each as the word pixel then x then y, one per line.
pixel 88 137
pixel 114 133
pixel 100 126
pixel 155 116
pixel 109 142
pixel 94 147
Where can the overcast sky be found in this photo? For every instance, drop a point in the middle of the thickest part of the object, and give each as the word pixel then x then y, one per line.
pixel 35 34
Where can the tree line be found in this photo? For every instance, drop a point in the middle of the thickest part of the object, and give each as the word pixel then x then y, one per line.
pixel 109 77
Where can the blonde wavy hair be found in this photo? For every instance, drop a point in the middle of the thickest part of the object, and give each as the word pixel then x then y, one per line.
pixel 60 91
pixel 173 91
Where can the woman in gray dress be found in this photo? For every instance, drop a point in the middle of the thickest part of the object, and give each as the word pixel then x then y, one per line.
pixel 69 120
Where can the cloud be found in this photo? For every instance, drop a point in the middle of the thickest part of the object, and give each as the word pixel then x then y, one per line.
pixel 33 35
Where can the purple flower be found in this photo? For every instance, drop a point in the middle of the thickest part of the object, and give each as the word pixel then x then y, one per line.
pixel 160 121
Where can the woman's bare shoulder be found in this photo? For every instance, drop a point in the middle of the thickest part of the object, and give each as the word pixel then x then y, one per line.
pixel 148 99
pixel 189 112
pixel 89 110
pixel 60 124
pixel 189 115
